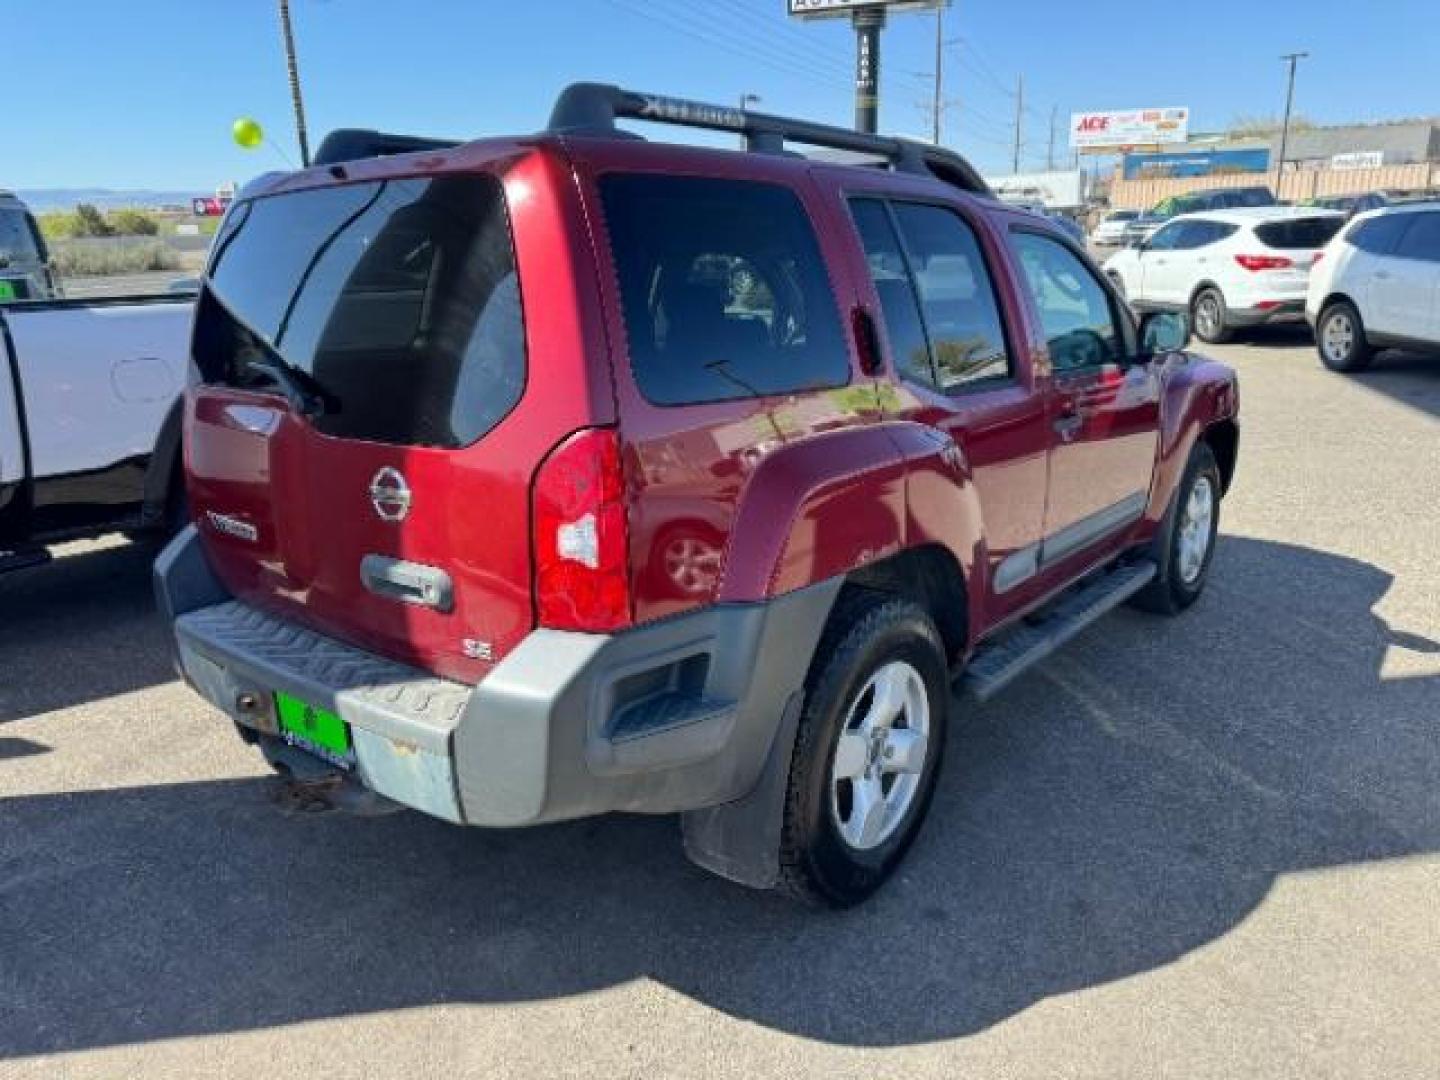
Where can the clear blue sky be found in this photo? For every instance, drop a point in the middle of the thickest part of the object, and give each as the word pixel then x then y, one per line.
pixel 141 93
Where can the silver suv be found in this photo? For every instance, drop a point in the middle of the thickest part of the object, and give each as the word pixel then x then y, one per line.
pixel 25 270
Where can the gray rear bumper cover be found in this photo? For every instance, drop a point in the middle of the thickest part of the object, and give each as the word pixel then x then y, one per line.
pixel 536 741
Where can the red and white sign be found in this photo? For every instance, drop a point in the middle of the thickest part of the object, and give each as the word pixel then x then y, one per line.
pixel 1129 127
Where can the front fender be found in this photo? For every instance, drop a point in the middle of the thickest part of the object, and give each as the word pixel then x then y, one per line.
pixel 1196 392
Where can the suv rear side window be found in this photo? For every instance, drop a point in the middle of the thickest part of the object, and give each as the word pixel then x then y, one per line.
pixel 1082 326
pixel 724 291
pixel 396 300
pixel 1300 233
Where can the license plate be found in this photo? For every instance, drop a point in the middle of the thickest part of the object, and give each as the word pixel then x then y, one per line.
pixel 312 728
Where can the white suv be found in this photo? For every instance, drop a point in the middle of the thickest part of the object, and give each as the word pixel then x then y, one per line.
pixel 1379 287
pixel 1227 268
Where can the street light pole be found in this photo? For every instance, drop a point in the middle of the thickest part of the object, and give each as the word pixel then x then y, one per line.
pixel 939 55
pixel 1292 59
pixel 293 69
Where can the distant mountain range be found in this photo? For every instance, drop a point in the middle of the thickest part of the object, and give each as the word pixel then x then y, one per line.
pixel 42 199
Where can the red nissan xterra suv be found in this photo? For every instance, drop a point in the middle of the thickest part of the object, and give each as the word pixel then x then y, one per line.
pixel 542 477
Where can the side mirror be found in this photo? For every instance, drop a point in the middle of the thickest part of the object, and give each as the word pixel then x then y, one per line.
pixel 1163 332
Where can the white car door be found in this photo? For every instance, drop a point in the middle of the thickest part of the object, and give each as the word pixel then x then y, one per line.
pixel 97 380
pixel 1166 264
pixel 1406 284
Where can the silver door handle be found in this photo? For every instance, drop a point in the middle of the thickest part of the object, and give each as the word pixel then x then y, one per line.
pixel 1067 427
pixel 1382 275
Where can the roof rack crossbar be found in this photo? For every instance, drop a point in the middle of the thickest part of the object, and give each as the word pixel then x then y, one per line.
pixel 355 144
pixel 593 108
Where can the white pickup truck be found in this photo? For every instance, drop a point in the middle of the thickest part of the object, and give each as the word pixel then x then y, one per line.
pixel 89 420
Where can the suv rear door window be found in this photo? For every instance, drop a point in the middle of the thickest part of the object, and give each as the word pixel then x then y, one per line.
pixel 395 301
pixel 1299 233
pixel 723 288
pixel 957 296
pixel 899 306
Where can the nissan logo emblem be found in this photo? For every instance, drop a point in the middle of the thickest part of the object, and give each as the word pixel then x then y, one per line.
pixel 390 495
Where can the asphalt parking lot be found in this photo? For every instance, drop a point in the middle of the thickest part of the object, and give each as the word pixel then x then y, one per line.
pixel 1202 847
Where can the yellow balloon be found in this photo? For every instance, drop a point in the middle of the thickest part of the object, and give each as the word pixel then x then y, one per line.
pixel 247 133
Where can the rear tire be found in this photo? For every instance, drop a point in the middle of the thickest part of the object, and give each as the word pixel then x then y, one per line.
pixel 1186 542
pixel 1207 316
pixel 1340 339
pixel 867 750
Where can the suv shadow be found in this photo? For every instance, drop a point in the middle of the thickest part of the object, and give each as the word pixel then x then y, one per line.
pixel 57 602
pixel 1407 377
pixel 1134 800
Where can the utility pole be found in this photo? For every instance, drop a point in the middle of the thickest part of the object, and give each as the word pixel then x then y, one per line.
pixel 1292 59
pixel 1050 152
pixel 294 72
pixel 1019 116
pixel 939 55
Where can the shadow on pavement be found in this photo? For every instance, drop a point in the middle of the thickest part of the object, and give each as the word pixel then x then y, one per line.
pixel 1407 377
pixel 57 603
pixel 1131 802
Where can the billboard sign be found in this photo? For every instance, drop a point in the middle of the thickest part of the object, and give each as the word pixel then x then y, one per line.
pixel 821 9
pixel 1100 131
pixel 1359 159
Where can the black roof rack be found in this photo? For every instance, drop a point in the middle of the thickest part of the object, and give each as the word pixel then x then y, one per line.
pixel 592 109
pixel 354 144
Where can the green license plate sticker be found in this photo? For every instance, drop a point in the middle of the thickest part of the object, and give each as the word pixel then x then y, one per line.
pixel 7 290
pixel 313 728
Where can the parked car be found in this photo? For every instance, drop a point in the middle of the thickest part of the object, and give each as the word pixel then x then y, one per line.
pixel 89 421
pixel 1228 268
pixel 1111 230
pixel 450 404
pixel 25 270
pixel 1378 287
pixel 1350 205
pixel 1196 202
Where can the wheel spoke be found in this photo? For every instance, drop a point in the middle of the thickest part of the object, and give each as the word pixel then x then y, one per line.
pixel 867 814
pixel 890 686
pixel 904 751
pixel 851 755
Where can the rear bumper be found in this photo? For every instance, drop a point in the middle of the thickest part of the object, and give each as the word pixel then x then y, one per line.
pixel 1283 311
pixel 672 716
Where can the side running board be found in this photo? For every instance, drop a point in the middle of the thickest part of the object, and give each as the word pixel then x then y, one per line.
pixel 995 665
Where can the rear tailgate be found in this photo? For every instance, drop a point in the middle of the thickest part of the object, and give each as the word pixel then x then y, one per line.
pixel 1301 241
pixel 397 515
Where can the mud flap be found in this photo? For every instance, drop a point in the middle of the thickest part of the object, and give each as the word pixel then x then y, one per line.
pixel 740 840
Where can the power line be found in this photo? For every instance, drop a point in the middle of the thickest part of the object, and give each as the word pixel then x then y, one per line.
pixel 794 35
pixel 788 65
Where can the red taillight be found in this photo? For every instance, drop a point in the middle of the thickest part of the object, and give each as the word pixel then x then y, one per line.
pixel 1263 262
pixel 581 537
pixel 1318 256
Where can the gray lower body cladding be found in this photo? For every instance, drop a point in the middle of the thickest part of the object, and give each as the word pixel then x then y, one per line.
pixel 672 716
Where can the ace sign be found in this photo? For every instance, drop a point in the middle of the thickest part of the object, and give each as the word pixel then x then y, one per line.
pixel 1097 131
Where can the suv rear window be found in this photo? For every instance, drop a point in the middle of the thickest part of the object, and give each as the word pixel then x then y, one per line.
pixel 723 288
pixel 396 300
pixel 1299 233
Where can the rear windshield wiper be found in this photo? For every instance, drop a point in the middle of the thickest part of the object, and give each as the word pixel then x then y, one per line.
pixel 298 387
